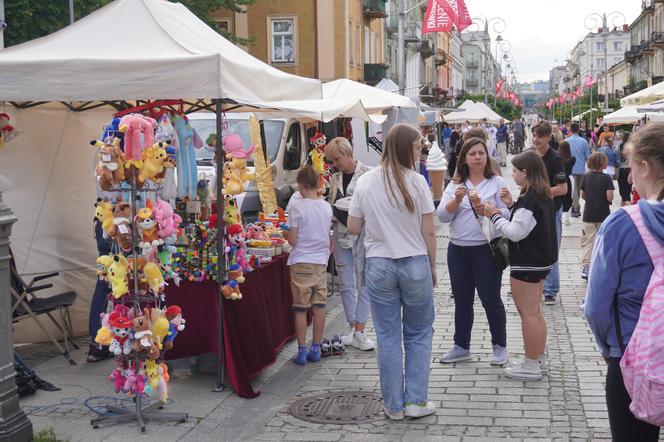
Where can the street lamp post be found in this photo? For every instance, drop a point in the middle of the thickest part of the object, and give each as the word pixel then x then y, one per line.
pixel 591 22
pixel 498 26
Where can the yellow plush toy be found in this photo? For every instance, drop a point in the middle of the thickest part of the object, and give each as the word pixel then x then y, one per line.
pixel 152 162
pixel 152 372
pixel 154 277
pixel 104 212
pixel 160 326
pixel 235 174
pixel 117 276
pixel 103 264
pixel 317 161
pixel 231 211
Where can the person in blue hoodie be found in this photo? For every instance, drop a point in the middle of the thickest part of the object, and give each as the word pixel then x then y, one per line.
pixel 620 271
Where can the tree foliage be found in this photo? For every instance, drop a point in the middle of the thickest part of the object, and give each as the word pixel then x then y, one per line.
pixel 30 19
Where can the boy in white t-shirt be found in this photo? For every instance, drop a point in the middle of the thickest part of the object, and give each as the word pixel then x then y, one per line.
pixel 310 220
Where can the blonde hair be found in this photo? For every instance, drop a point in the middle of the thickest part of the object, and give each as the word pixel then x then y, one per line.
pixel 598 161
pixel 338 146
pixel 646 145
pixel 397 156
pixel 557 134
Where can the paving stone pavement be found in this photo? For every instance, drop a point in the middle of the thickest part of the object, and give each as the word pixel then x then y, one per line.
pixel 475 401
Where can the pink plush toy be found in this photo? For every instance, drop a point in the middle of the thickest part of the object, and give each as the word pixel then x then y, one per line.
pixel 118 380
pixel 141 381
pixel 130 381
pixel 232 144
pixel 134 126
pixel 167 220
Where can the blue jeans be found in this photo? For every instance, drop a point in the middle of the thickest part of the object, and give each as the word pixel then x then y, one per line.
pixel 471 268
pixel 355 299
pixel 397 285
pixel 552 281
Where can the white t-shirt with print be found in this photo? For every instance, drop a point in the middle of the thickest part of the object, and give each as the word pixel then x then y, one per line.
pixel 391 231
pixel 313 219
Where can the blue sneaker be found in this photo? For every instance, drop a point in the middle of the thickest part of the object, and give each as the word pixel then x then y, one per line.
pixel 314 353
pixel 301 357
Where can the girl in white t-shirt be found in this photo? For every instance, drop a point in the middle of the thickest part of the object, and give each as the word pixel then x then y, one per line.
pixel 395 206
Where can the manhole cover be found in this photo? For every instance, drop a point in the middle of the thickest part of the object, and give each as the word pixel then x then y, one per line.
pixel 341 407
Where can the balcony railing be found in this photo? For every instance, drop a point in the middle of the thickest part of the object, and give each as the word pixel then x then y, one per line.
pixel 472 82
pixel 374 9
pixel 645 48
pixel 657 39
pixel 425 49
pixel 471 65
pixel 632 55
pixel 374 72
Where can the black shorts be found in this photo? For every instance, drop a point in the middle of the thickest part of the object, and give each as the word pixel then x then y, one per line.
pixel 531 277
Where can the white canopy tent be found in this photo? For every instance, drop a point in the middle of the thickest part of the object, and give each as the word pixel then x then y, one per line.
pixel 494 116
pixel 317 110
pixel 128 50
pixel 472 112
pixel 578 117
pixel 142 49
pixel 630 115
pixel 374 99
pixel 644 96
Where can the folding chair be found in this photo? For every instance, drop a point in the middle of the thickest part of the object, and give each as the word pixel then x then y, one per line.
pixel 27 305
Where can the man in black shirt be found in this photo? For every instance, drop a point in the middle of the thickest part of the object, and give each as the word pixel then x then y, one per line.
pixel 555 168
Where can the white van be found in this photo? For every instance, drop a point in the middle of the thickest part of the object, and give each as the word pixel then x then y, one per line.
pixel 284 143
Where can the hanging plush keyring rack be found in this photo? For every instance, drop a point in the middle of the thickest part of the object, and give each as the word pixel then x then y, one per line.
pixel 139 414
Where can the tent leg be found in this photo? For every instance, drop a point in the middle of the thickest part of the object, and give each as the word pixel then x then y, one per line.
pixel 221 271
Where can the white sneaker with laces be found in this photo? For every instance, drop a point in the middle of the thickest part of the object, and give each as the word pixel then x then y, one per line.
pixel 420 410
pixel 543 367
pixel 526 370
pixel 499 356
pixel 362 342
pixel 347 336
pixel 456 354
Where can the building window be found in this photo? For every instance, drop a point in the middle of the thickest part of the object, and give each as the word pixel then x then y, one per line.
pixel 600 46
pixel 600 62
pixel 358 44
pixel 283 40
pixel 377 53
pixel 367 45
pixel 617 46
pixel 224 25
pixel 616 60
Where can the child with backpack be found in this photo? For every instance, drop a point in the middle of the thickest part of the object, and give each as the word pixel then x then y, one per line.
pixel 310 220
pixel 597 190
pixel 626 290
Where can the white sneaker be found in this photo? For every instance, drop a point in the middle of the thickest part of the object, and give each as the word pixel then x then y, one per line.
pixel 456 354
pixel 525 370
pixel 415 410
pixel 396 416
pixel 362 342
pixel 347 336
pixel 543 367
pixel 499 356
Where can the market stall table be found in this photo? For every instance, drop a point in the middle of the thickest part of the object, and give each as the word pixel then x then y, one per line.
pixel 255 327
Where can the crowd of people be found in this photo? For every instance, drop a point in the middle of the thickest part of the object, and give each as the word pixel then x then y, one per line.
pixel 384 244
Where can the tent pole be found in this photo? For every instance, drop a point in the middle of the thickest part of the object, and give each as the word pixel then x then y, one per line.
pixel 221 262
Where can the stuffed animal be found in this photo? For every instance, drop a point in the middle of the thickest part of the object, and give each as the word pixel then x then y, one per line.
pixel 176 325
pixel 152 372
pixel 165 260
pixel 104 212
pixel 160 326
pixel 317 161
pixel 110 165
pixel 143 339
pixel 130 381
pixel 186 160
pixel 318 141
pixel 154 278
pixel 103 264
pixel 117 276
pixel 149 229
pixel 203 195
pixel 118 379
pixel 238 246
pixel 104 334
pixel 168 223
pixel 120 326
pixel 232 185
pixel 119 229
pixel 231 289
pixel 162 387
pixel 139 132
pixel 233 146
pixel 153 160
pixel 231 211
pixel 141 384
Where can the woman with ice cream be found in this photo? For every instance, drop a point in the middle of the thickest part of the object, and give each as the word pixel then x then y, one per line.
pixel 468 253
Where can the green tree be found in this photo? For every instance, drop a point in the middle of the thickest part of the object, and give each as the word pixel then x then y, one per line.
pixel 30 19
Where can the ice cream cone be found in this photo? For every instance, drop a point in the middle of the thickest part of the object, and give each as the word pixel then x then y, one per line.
pixel 436 178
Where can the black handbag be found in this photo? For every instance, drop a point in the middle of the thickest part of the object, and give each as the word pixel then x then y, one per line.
pixel 498 247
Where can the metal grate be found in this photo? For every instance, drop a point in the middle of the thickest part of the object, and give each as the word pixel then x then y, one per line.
pixel 339 407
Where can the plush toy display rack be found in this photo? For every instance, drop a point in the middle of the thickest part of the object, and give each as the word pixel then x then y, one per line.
pixel 120 415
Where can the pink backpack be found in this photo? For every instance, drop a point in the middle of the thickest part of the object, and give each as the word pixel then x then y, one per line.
pixel 642 363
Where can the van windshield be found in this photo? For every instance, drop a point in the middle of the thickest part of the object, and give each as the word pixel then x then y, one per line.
pixel 273 132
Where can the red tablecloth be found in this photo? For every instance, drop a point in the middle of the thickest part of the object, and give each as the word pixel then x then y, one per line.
pixel 255 327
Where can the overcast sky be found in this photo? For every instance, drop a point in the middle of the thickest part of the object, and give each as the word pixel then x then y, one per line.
pixel 541 31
